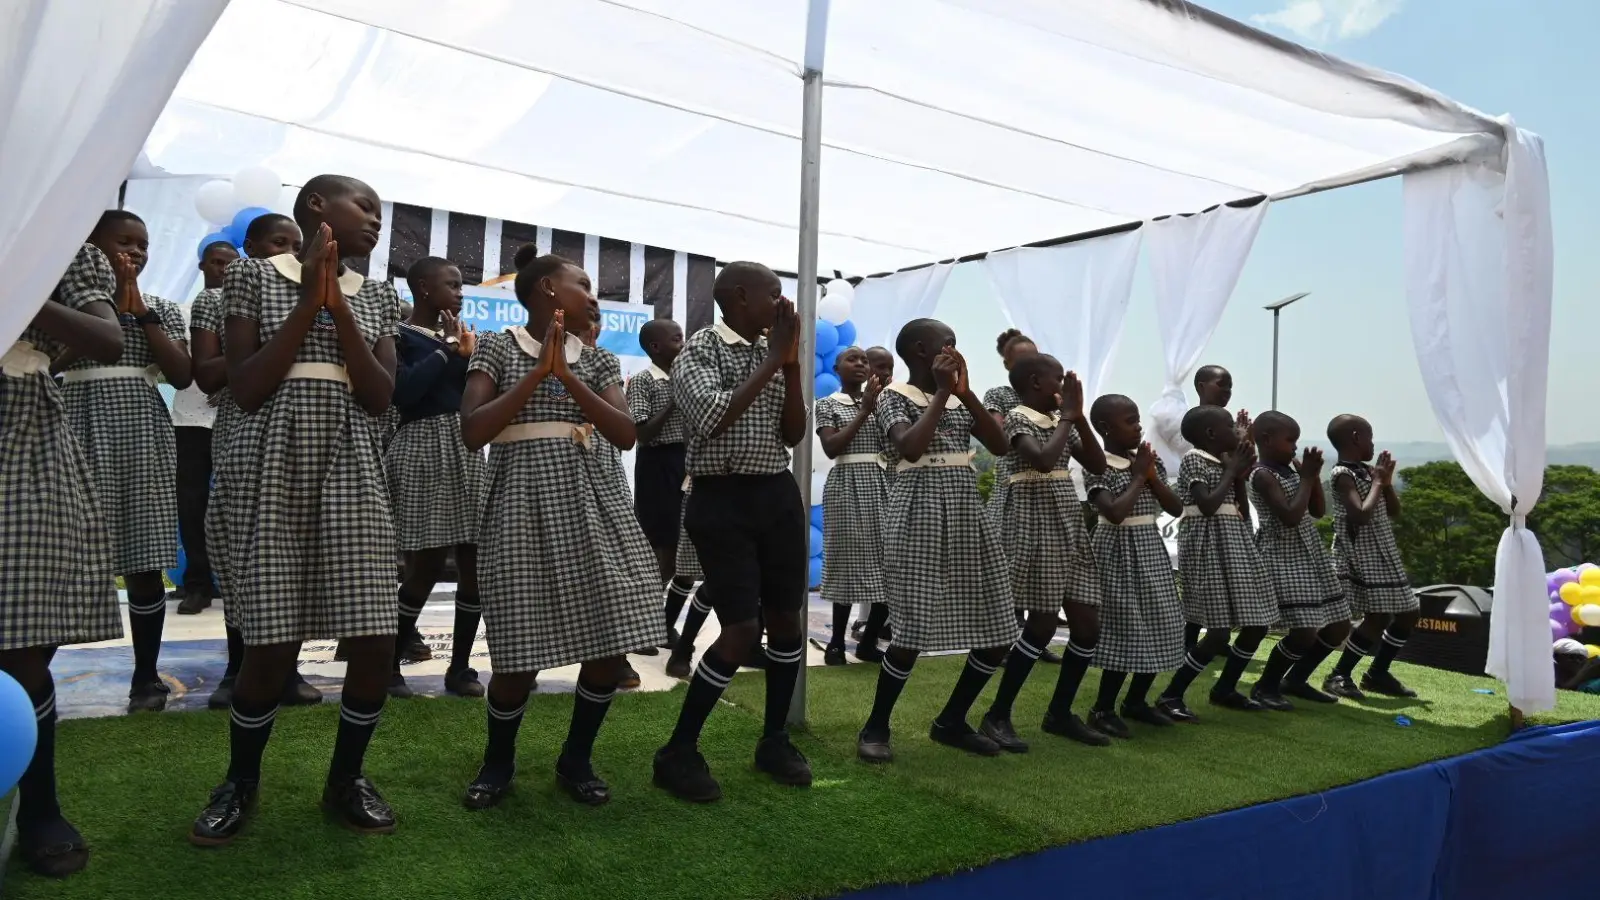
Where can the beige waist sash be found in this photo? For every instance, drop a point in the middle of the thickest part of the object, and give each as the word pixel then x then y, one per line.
pixel 1129 522
pixel 545 431
pixel 21 360
pixel 1036 475
pixel 937 461
pixel 101 373
pixel 318 372
pixel 851 459
pixel 1226 509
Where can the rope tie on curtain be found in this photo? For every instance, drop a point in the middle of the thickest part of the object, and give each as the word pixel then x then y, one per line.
pixel 1519 521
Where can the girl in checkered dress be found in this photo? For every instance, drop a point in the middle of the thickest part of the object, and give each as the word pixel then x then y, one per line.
pixel 567 575
pixel 1141 616
pixel 58 587
pixel 944 572
pixel 436 484
pixel 1052 568
pixel 658 466
pixel 1225 583
pixel 1288 498
pixel 1368 561
pixel 122 424
pixel 1000 400
pixel 852 504
pixel 310 350
pixel 267 236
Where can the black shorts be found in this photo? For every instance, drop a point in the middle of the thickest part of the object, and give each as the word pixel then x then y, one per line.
pixel 750 532
pixel 658 493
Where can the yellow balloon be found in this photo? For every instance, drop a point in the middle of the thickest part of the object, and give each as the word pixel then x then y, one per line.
pixel 1589 577
pixel 1571 592
pixel 1593 650
pixel 1589 593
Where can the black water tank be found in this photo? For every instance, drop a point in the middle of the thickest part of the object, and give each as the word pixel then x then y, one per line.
pixel 1453 632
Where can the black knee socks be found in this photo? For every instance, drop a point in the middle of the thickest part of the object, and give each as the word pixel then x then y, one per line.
pixel 841 625
pixel 877 616
pixel 36 790
pixel 1355 647
pixel 1239 656
pixel 358 719
pixel 699 609
pixel 891 681
pixel 1139 691
pixel 589 706
pixel 147 615
pixel 1191 635
pixel 710 679
pixel 1301 671
pixel 1279 662
pixel 1394 640
pixel 784 658
pixel 1110 686
pixel 678 590
pixel 500 750
pixel 249 728
pixel 974 675
pixel 1074 663
pixel 410 610
pixel 469 612
pixel 1194 662
pixel 1019 663
pixel 235 651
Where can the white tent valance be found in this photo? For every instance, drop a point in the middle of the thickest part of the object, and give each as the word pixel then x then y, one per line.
pixel 952 126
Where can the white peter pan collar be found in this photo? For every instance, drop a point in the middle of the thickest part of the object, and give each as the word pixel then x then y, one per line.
pixel 842 397
pixel 531 346
pixel 1204 455
pixel 658 373
pixel 288 265
pixel 1114 461
pixel 919 397
pixel 1043 420
pixel 729 336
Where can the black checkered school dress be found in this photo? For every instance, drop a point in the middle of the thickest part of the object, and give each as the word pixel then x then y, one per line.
pixel 436 484
pixel 1141 616
pixel 943 570
pixel 1001 401
pixel 687 562
pixel 565 572
pixel 1041 523
pixel 1298 565
pixel 1366 557
pixel 1225 583
pixel 658 467
pixel 852 507
pixel 125 429
pixel 311 541
pixel 56 581
pixel 205 314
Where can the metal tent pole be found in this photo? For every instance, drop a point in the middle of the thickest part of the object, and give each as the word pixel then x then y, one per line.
pixel 806 302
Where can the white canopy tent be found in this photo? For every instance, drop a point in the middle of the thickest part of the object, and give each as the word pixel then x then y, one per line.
pixel 950 126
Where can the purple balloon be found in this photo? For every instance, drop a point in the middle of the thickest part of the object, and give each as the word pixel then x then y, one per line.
pixel 1562 576
pixel 1559 611
pixel 1557 631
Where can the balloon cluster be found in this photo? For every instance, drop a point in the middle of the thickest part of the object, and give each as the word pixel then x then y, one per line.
pixel 835 332
pixel 815 546
pixel 233 205
pixel 19 732
pixel 1574 601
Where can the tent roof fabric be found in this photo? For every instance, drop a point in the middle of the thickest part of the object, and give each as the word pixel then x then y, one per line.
pixel 949 126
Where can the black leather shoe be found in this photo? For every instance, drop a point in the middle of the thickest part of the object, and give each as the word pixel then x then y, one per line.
pixel 358 806
pixel 962 737
pixel 489 788
pixel 463 682
pixel 1303 691
pixel 1177 710
pixel 1235 700
pixel 148 696
pixel 1049 657
pixel 1000 730
pixel 869 653
pixel 300 693
pixel 683 773
pixel 219 823
pixel 1106 722
pixel 1271 700
pixel 672 638
pixel 398 689
pixel 193 604
pixel 833 655
pixel 53 849
pixel 874 748
pixel 1342 686
pixel 681 663
pixel 582 784
pixel 1073 729
pixel 1147 715
pixel 628 679
pixel 417 650
pixel 222 696
pixel 777 756
pixel 1386 684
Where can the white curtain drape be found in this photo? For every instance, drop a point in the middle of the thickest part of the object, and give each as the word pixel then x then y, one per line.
pixel 81 84
pixel 1195 262
pixel 1479 271
pixel 1071 299
pixel 883 305
pixel 167 207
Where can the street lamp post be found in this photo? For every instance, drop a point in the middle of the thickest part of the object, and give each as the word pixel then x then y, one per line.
pixel 1276 309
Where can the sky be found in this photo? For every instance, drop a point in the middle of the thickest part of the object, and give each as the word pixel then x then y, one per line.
pixel 1521 57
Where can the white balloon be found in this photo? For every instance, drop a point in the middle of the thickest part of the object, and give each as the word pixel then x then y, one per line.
pixel 834 307
pixel 819 481
pixel 1589 614
pixel 820 463
pixel 255 186
pixel 214 202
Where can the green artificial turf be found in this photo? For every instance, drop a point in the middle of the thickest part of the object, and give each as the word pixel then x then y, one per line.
pixel 133 786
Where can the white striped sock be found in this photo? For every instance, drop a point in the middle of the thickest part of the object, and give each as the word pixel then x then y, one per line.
pixel 1351 646
pixel 1393 641
pixel 1242 654
pixel 700 604
pixel 594 696
pixel 712 676
pixel 1190 662
pixel 244 721
pixel 895 671
pixel 359 718
pixel 1284 649
pixel 1075 650
pixel 46 707
pixel 148 607
pixel 1331 647
pixel 506 715
pixel 1025 648
pixel 784 657
pixel 980 666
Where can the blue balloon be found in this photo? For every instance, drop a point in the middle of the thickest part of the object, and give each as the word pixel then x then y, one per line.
pixel 827 337
pixel 816 541
pixel 175 574
pixel 19 730
pixel 827 383
pixel 816 516
pixel 243 218
pixel 815 571
pixel 847 333
pixel 826 361
pixel 213 238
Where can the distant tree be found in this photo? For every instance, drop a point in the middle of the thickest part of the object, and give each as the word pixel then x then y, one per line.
pixel 1567 518
pixel 1447 531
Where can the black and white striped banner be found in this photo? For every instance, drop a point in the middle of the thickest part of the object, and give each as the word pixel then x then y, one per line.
pixel 675 284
